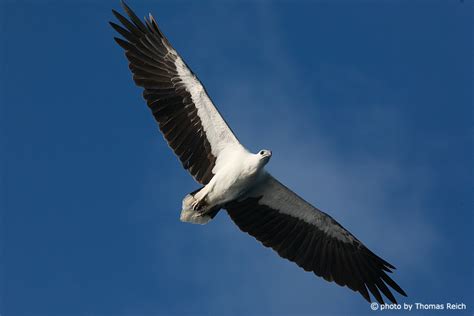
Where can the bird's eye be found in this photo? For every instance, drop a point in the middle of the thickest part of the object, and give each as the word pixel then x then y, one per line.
pixel 261 152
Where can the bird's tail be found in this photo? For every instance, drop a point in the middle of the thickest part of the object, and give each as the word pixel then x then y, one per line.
pixel 202 217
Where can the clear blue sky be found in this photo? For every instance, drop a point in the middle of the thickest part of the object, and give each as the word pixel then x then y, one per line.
pixel 367 106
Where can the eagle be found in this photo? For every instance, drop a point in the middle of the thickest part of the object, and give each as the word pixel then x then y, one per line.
pixel 233 178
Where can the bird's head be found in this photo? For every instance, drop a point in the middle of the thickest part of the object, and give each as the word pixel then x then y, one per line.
pixel 264 156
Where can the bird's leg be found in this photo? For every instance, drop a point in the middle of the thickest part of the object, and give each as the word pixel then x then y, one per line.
pixel 199 202
pixel 198 205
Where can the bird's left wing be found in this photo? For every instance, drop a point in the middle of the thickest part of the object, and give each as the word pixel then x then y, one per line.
pixel 301 233
pixel 188 119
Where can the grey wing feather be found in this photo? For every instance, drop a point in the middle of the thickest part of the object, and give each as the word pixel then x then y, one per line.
pixel 301 233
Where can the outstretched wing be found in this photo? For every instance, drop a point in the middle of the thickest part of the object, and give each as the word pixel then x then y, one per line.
pixel 188 119
pixel 301 233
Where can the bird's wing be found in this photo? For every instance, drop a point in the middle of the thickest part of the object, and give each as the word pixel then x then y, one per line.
pixel 188 119
pixel 301 233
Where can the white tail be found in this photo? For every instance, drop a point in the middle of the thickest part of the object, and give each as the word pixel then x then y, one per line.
pixel 189 215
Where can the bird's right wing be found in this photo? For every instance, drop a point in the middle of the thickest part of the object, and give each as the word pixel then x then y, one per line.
pixel 188 119
pixel 301 233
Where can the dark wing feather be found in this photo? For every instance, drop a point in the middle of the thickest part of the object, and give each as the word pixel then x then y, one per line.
pixel 280 219
pixel 189 121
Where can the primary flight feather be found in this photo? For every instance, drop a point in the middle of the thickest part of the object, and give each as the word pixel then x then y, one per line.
pixel 235 179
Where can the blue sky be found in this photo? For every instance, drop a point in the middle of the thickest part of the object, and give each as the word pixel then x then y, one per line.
pixel 366 105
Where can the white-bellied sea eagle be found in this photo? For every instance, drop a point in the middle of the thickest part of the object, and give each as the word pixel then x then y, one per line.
pixel 235 179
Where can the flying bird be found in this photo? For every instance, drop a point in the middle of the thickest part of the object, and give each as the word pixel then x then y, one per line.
pixel 235 179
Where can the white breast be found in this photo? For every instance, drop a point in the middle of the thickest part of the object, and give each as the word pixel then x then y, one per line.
pixel 237 172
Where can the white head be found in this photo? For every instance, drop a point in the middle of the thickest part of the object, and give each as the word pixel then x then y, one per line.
pixel 264 156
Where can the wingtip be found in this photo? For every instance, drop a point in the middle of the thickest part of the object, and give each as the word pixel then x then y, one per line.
pixel 125 6
pixel 365 293
pixel 122 43
pixel 390 266
pixel 114 12
pixel 403 293
pixel 112 24
pixel 117 15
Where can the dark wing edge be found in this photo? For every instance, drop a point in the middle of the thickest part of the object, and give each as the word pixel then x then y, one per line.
pixel 188 120
pixel 279 219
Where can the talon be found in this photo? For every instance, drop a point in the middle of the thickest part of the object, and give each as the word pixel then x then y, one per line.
pixel 195 205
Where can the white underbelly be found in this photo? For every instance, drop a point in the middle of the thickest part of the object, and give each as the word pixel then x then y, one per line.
pixel 230 183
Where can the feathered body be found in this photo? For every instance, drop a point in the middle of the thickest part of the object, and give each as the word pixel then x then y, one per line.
pixel 236 175
pixel 233 178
